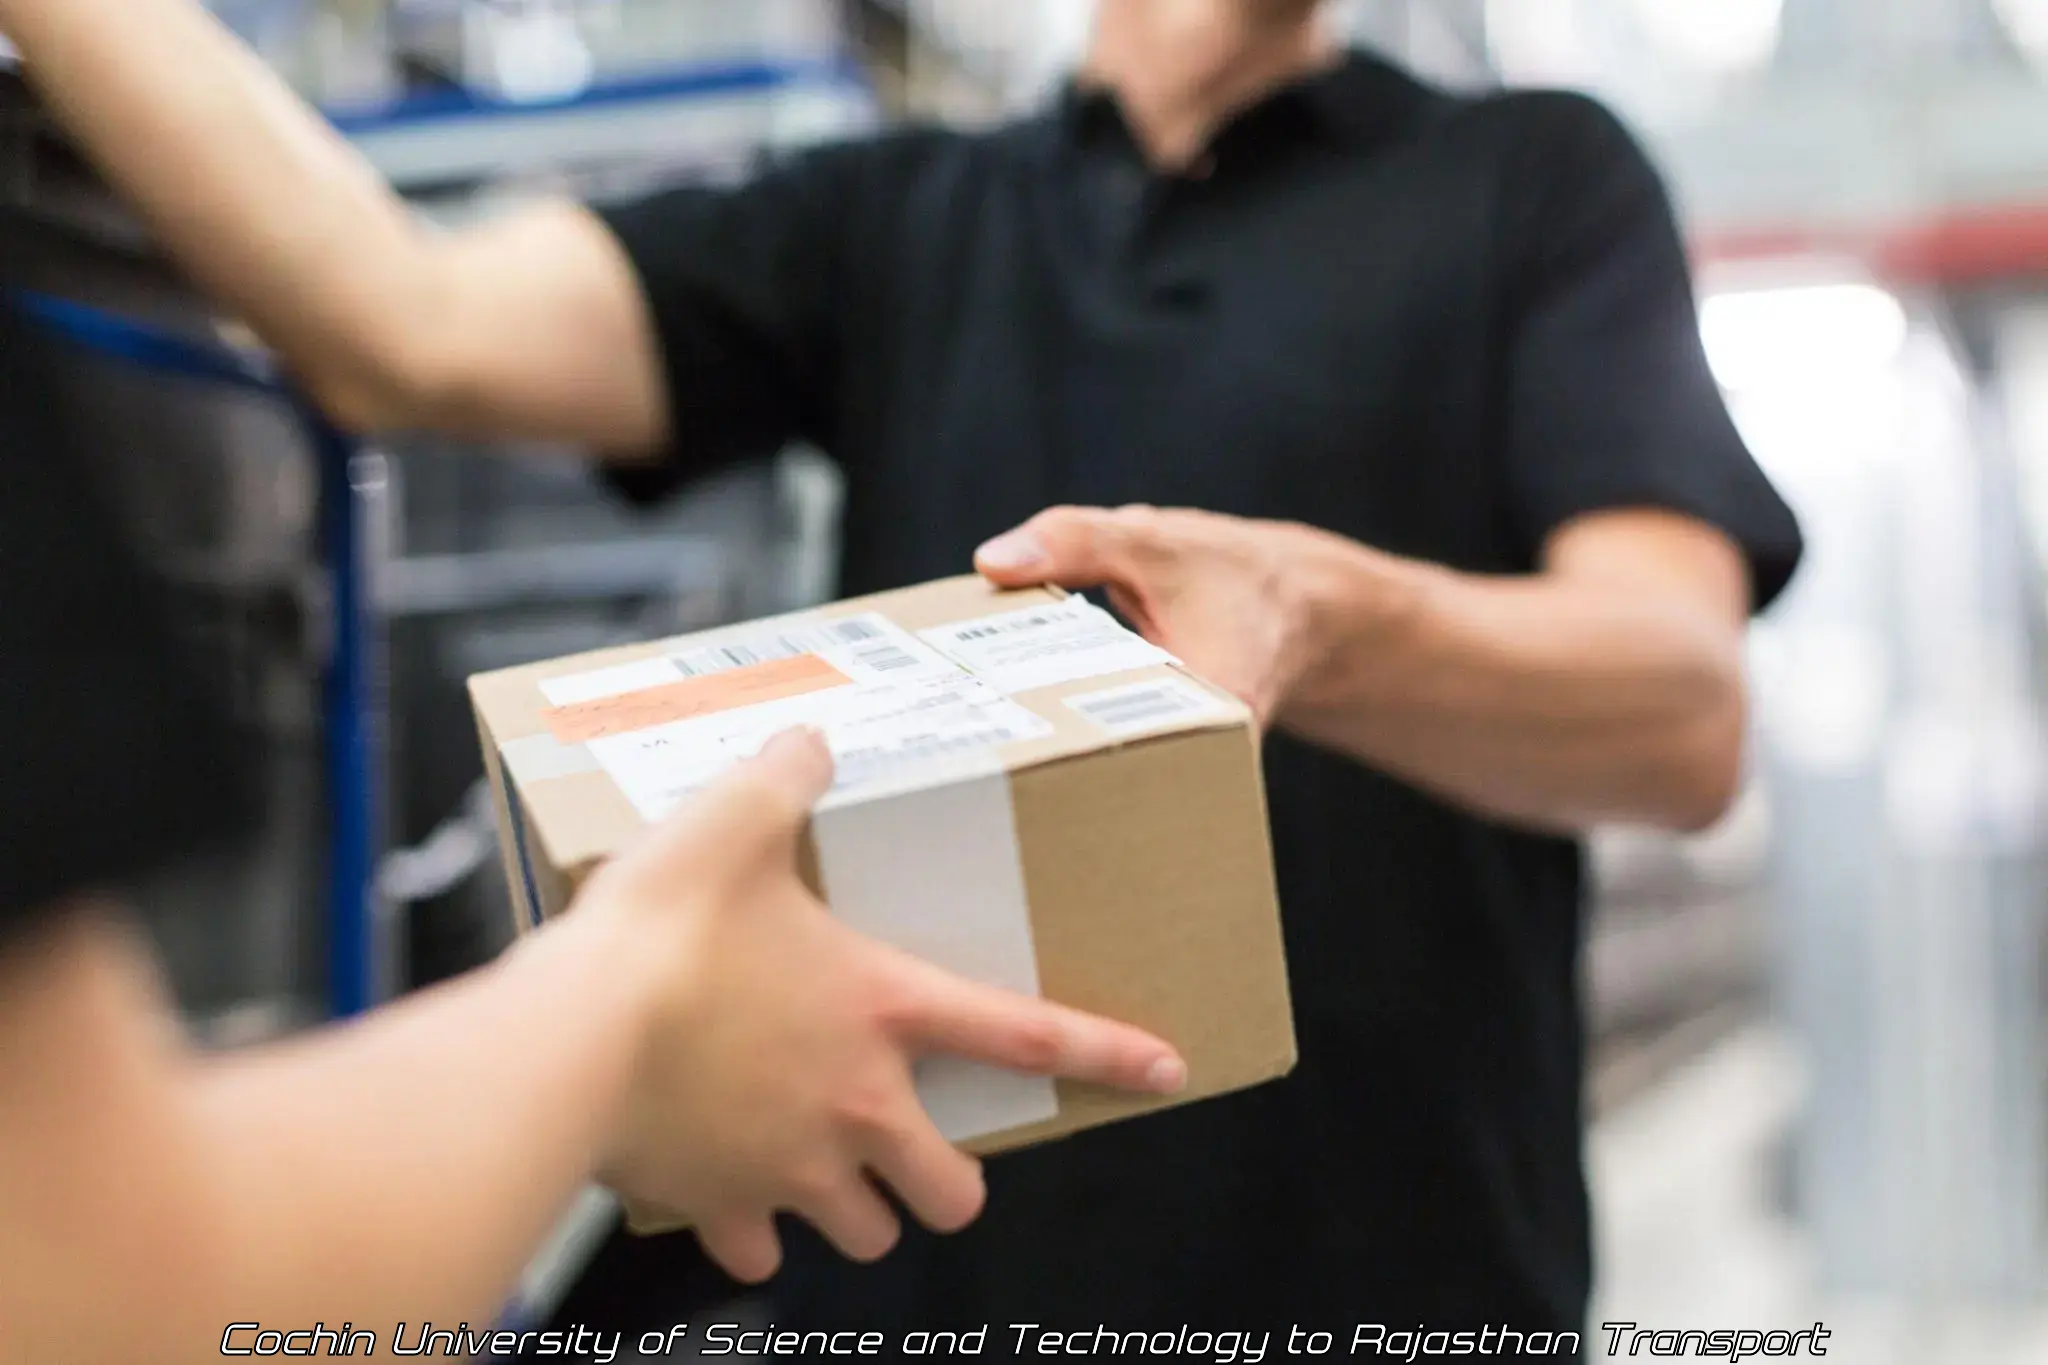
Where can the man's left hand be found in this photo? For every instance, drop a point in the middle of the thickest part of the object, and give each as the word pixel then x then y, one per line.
pixel 1230 597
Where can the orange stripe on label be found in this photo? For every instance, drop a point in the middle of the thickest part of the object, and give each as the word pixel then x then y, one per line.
pixel 651 706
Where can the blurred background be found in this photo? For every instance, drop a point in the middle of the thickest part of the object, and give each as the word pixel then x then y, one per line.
pixel 1820 1088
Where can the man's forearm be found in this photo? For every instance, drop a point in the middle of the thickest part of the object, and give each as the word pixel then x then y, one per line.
pixel 270 209
pixel 1541 700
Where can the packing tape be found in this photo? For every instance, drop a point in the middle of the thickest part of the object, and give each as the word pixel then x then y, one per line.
pixel 539 757
pixel 931 865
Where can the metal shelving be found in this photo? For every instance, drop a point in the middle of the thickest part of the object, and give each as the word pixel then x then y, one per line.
pixel 692 116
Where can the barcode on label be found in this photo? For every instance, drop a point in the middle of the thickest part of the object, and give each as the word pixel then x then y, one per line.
pixel 886 658
pixel 1135 708
pixel 782 644
pixel 1145 706
pixel 989 631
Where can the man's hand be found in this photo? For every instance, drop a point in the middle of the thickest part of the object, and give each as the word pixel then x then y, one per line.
pixel 778 1075
pixel 1604 687
pixel 1230 597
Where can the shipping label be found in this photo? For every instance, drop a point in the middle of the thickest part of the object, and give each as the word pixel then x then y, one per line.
pixel 886 703
pixel 1043 646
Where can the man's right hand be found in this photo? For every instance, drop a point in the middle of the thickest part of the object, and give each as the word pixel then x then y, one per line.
pixel 777 1075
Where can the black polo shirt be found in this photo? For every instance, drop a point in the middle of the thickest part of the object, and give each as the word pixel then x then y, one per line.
pixel 1441 326
pixel 118 758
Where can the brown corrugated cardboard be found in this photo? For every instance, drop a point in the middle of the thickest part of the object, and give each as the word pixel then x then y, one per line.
pixel 1020 739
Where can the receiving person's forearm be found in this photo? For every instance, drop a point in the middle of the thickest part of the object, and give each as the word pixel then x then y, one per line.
pixel 1538 700
pixel 269 208
pixel 405 1168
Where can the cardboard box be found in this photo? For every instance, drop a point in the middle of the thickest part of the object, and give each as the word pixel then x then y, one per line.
pixel 1028 794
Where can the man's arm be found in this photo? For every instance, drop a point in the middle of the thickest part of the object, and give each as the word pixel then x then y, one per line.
pixel 1607 686
pixel 697 1028
pixel 533 326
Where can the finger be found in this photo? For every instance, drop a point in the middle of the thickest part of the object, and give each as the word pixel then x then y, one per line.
pixel 745 1245
pixel 755 811
pixel 1131 607
pixel 853 1218
pixel 940 1184
pixel 1076 547
pixel 947 1014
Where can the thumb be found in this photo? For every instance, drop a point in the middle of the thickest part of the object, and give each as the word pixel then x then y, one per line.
pixel 1075 547
pixel 754 812
pixel 795 765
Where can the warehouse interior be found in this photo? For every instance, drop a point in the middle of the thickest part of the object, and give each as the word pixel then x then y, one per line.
pixel 1819 1031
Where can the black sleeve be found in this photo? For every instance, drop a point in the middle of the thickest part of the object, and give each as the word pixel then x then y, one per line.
pixel 742 283
pixel 1610 399
pixel 115 760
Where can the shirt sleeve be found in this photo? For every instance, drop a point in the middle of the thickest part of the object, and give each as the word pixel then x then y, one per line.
pixel 116 761
pixel 1611 402
pixel 742 284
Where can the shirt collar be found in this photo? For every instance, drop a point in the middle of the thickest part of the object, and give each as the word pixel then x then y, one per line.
pixel 1084 112
pixel 1361 100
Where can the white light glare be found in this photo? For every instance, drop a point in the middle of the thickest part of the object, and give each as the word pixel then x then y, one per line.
pixel 1719 35
pixel 1536 40
pixel 2027 22
pixel 1801 335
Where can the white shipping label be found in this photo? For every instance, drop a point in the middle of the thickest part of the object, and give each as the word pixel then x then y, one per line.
pixel 895 711
pixel 878 733
pixel 1164 704
pixel 1044 646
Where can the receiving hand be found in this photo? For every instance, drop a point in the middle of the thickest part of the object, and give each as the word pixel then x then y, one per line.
pixel 778 1074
